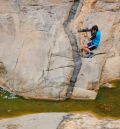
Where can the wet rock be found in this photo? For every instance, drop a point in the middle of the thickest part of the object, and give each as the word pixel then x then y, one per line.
pixel 87 121
pixel 108 85
pixel 80 93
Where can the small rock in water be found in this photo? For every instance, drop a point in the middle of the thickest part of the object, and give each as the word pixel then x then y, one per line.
pixel 108 85
pixel 9 110
pixel 11 96
pixel 5 97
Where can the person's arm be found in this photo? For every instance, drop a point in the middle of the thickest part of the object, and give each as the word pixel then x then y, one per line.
pixel 86 35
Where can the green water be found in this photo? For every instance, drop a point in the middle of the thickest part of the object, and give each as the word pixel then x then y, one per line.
pixel 107 104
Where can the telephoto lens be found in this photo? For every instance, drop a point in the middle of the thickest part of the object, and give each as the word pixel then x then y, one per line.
pixel 84 30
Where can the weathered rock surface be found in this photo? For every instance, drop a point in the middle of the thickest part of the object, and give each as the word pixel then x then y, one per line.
pixel 88 79
pixel 87 121
pixel 111 71
pixel 35 48
pixel 35 121
pixel 37 53
pixel 105 67
pixel 59 121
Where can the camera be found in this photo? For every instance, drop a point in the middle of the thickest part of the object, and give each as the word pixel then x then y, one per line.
pixel 85 30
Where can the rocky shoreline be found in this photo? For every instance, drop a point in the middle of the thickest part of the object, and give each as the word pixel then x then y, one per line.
pixel 59 121
pixel 88 121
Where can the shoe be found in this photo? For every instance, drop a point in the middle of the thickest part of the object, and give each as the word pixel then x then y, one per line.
pixel 89 55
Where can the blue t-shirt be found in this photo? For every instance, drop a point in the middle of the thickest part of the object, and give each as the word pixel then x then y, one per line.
pixel 97 39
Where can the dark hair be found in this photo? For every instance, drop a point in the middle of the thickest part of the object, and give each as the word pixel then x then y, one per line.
pixel 95 27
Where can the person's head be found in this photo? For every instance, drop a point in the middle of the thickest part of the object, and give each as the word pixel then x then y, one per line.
pixel 94 29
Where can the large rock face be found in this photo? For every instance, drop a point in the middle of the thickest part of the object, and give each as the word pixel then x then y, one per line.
pixel 35 50
pixel 101 68
pixel 34 47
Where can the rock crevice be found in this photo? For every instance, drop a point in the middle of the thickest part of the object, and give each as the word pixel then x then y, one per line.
pixel 75 49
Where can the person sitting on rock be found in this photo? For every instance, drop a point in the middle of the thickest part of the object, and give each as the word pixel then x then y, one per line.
pixel 94 41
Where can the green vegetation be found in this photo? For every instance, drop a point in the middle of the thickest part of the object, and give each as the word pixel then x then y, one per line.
pixel 107 104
